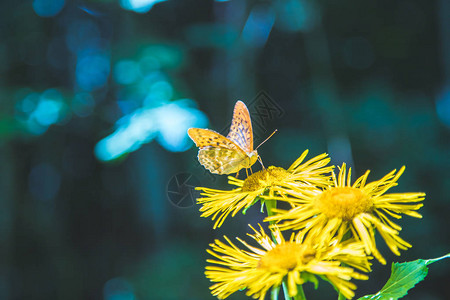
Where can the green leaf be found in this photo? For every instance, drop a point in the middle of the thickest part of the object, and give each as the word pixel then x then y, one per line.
pixel 308 277
pixel 404 276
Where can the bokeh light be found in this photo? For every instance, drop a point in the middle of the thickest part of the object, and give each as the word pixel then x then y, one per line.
pixel 139 6
pixel 39 111
pixel 160 91
pixel 82 35
pixel 174 119
pixel 258 26
pixel 92 71
pixel 48 8
pixel 296 15
pixel 126 72
pixel 168 122
pixel 133 131
pixel 118 289
pixel 443 107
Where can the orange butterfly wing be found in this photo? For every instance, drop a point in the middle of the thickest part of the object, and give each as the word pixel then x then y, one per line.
pixel 210 138
pixel 241 131
pixel 222 160
pixel 217 153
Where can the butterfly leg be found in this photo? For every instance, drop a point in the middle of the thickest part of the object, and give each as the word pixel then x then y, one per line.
pixel 246 171
pixel 260 160
pixel 237 174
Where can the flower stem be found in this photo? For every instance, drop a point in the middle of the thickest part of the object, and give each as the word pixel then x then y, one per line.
pixel 274 293
pixel 341 297
pixel 270 205
pixel 300 293
pixel 285 292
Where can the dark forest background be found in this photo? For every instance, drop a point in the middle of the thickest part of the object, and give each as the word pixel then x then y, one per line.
pixel 96 97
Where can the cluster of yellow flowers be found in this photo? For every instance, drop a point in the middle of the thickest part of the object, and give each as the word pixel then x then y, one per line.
pixel 332 224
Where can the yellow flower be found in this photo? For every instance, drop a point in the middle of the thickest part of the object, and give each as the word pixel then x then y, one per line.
pixel 359 208
pixel 296 261
pixel 273 180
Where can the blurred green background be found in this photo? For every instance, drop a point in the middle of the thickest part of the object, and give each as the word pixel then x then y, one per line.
pixel 96 98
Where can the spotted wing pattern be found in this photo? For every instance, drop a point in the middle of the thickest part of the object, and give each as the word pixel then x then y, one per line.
pixel 210 138
pixel 217 153
pixel 221 160
pixel 241 127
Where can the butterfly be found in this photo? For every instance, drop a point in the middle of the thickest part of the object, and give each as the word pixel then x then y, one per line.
pixel 225 155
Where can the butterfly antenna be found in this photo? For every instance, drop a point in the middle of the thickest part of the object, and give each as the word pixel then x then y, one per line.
pixel 267 138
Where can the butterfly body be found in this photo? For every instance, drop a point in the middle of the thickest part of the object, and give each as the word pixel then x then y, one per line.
pixel 226 155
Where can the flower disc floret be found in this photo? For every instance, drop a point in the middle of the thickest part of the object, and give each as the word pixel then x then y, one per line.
pixel 264 179
pixel 286 257
pixel 343 202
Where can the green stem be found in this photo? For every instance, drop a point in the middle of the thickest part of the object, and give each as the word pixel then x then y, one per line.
pixel 341 297
pixel 274 293
pixel 270 205
pixel 300 293
pixel 285 292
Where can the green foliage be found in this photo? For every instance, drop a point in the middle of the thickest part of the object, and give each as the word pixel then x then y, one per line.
pixel 404 276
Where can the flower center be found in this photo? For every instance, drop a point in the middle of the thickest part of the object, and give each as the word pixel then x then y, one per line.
pixel 286 257
pixel 343 202
pixel 264 178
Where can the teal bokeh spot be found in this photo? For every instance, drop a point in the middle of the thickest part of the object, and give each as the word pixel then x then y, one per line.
pixel 126 72
pixel 48 8
pixel 139 6
pixel 92 72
